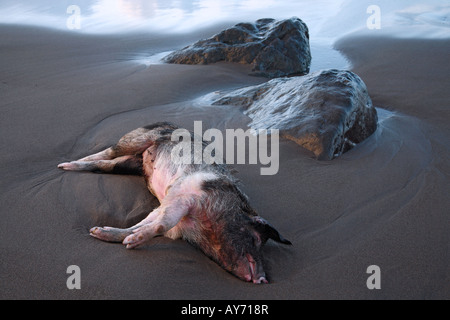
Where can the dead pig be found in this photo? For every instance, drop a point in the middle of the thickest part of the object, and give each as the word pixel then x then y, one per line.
pixel 201 203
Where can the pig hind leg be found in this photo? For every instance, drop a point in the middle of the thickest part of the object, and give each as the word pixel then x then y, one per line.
pixel 133 143
pixel 122 158
pixel 126 155
pixel 122 165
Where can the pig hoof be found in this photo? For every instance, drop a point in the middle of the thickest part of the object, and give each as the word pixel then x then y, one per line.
pixel 64 166
pixel 109 234
pixel 99 233
pixel 69 166
pixel 134 240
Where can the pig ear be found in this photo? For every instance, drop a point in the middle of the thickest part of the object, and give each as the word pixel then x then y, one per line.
pixel 267 231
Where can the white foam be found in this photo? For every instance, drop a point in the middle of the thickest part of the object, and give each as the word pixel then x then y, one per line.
pixel 154 59
pixel 384 115
pixel 326 19
pixel 113 16
pixel 400 18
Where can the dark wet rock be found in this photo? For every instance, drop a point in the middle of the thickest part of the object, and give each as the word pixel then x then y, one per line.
pixel 273 48
pixel 327 112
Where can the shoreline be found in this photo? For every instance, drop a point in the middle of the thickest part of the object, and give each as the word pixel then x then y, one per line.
pixel 407 86
pixel 384 203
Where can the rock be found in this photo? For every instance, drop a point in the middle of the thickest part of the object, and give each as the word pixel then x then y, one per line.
pixel 273 48
pixel 327 112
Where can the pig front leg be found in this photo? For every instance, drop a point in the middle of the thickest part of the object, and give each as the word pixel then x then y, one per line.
pixel 111 234
pixel 168 217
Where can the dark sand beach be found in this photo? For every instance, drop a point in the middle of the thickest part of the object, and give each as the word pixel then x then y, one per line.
pixel 384 203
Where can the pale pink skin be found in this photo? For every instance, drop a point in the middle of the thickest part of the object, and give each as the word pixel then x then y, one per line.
pixel 175 199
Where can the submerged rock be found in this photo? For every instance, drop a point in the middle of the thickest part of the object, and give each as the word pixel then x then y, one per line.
pixel 273 48
pixel 327 112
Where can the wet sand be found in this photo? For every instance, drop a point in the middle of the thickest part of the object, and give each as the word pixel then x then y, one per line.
pixel 384 203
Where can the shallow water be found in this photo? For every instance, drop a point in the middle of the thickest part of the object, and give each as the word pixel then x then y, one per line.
pixel 113 16
pixel 325 18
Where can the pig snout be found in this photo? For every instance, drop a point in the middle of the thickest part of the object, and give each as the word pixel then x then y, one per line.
pixel 250 270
